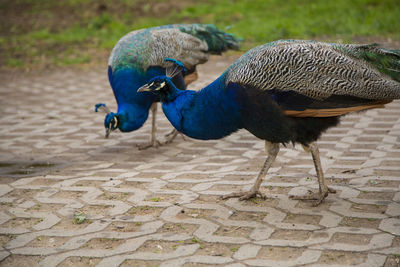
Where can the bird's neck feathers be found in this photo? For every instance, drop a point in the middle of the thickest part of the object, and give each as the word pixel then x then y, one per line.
pixel 131 118
pixel 171 92
pixel 126 81
pixel 210 113
pixel 133 107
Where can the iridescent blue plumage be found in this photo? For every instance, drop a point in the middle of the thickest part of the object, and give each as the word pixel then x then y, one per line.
pixel 140 56
pixel 285 91
pixel 185 110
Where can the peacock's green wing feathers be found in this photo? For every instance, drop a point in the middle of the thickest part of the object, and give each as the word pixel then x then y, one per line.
pixel 217 41
pixel 385 60
pixel 188 43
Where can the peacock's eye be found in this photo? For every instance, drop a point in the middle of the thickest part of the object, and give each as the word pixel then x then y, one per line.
pixel 159 85
pixel 113 123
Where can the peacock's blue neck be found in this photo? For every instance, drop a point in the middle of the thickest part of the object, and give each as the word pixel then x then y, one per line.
pixel 125 82
pixel 133 107
pixel 210 113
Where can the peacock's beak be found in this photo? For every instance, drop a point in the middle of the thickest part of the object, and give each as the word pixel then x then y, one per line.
pixel 145 88
pixel 108 131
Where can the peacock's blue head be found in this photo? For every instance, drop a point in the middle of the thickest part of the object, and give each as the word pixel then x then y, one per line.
pixel 111 121
pixel 156 84
pixel 161 86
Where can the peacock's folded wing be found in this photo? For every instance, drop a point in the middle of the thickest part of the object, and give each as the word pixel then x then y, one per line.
pixel 189 43
pixel 309 78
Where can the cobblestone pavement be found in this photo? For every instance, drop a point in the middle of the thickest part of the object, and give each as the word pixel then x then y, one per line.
pixel 160 207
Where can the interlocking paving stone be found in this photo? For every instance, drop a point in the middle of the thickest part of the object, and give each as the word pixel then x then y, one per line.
pixel 162 206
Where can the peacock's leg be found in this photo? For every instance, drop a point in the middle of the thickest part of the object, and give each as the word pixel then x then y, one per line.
pixel 272 150
pixel 169 137
pixel 153 140
pixel 324 190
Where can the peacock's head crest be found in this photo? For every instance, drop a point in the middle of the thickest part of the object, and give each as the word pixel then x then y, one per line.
pixel 174 67
pixel 111 121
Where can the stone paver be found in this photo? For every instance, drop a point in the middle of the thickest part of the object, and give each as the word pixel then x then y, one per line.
pixel 160 207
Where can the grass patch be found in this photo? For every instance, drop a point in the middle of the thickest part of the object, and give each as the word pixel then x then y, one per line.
pixel 79 218
pixel 261 20
pixel 42 33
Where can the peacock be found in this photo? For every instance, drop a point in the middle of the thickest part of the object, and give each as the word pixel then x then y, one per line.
pixel 139 56
pixel 287 91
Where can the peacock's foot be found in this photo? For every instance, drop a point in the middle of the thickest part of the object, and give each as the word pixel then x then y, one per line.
pixel 154 144
pixel 169 137
pixel 173 133
pixel 245 195
pixel 318 197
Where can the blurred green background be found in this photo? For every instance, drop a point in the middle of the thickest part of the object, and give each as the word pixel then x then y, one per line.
pixel 37 34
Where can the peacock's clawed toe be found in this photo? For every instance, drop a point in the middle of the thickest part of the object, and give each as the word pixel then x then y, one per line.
pixel 155 144
pixel 317 197
pixel 171 135
pixel 245 195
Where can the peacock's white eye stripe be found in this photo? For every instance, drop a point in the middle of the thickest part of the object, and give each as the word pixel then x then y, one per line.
pixel 115 122
pixel 161 86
